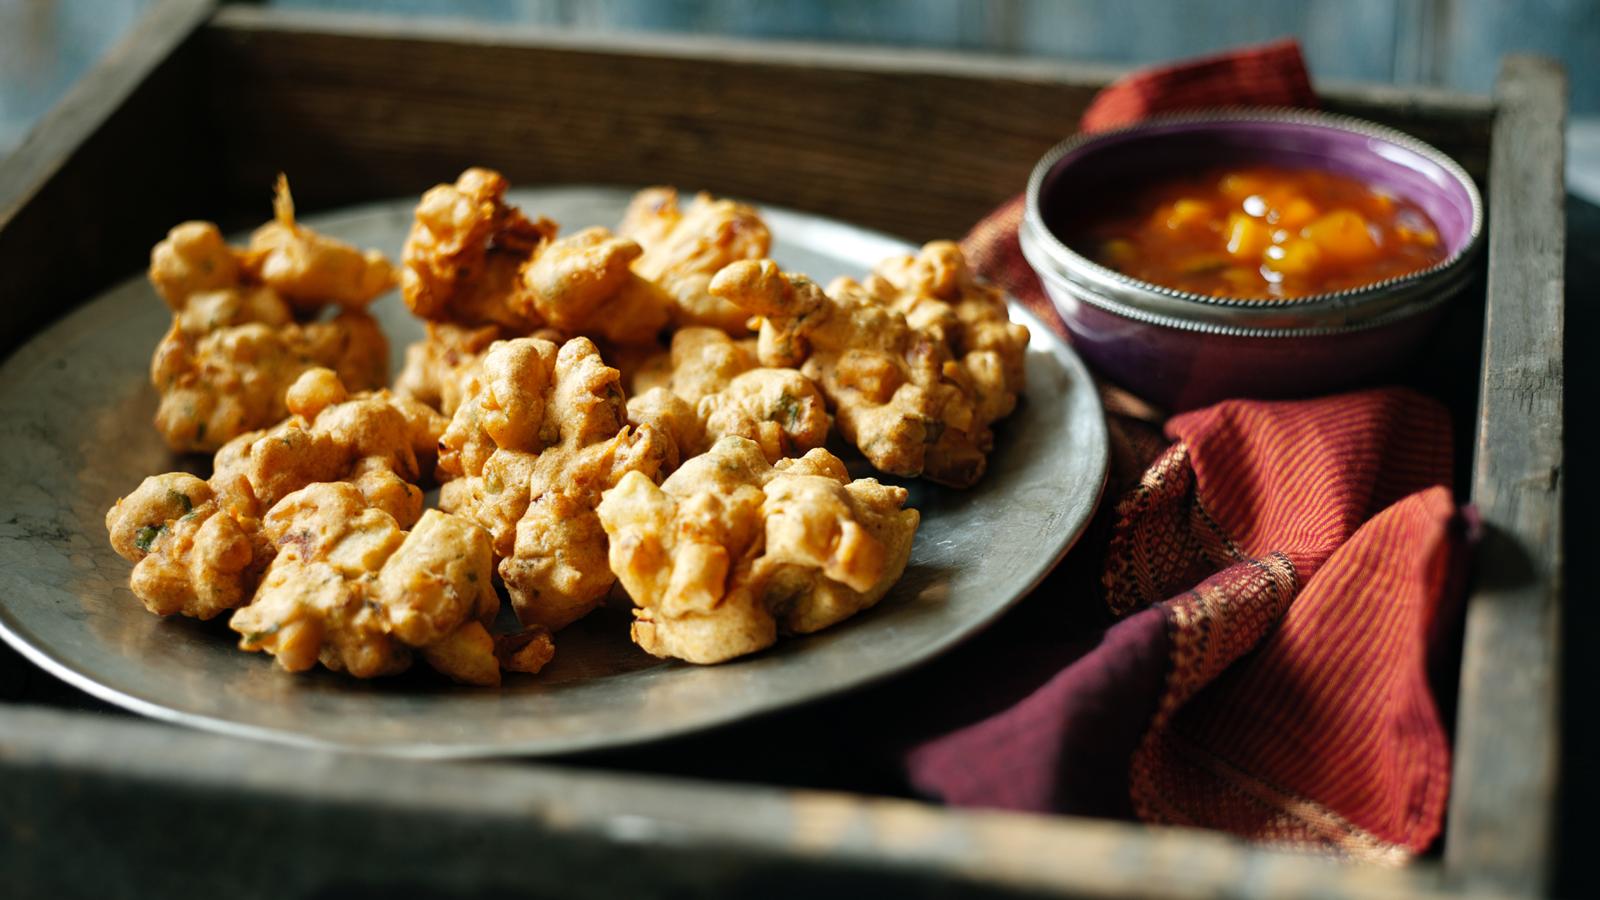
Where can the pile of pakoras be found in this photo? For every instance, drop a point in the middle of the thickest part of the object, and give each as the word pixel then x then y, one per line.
pixel 702 489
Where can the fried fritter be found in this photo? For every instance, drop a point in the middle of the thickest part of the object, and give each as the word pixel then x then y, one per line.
pixel 473 259
pixel 244 327
pixel 465 253
pixel 896 393
pixel 349 588
pixel 193 555
pixel 684 248
pixel 711 386
pixel 197 545
pixel 642 366
pixel 939 295
pixel 309 269
pixel 669 416
pixel 192 259
pixel 301 531
pixel 540 434
pixel 377 441
pixel 700 361
pixel 730 550
pixel 938 292
pixel 528 650
pixel 223 367
pixel 438 366
pixel 584 284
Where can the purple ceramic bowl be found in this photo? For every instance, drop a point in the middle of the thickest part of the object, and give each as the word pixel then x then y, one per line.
pixel 1184 349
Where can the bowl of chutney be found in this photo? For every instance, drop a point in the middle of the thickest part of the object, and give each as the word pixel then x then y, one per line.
pixel 1249 252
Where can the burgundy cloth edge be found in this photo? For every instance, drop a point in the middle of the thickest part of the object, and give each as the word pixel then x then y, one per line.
pixel 1273 73
pixel 995 246
pixel 1079 699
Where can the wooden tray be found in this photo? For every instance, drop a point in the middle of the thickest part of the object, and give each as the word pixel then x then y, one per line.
pixel 195 112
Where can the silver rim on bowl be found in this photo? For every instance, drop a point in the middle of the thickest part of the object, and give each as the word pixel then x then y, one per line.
pixel 1353 309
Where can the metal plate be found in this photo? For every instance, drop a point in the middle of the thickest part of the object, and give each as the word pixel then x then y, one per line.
pixel 75 434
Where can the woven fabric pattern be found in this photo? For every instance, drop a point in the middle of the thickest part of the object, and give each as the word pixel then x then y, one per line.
pixel 1280 576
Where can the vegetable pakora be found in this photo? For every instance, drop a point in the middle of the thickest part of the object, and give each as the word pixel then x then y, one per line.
pixel 244 324
pixel 540 434
pixel 730 550
pixel 710 386
pixel 684 248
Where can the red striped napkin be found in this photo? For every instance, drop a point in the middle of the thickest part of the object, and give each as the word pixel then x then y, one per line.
pixel 1282 579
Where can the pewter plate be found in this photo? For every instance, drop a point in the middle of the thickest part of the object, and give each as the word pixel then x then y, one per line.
pixel 75 434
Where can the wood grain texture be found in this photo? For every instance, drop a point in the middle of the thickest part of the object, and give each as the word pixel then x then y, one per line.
pixel 1507 734
pixel 918 143
pixel 103 176
pixel 296 823
pixel 1459 124
pixel 352 114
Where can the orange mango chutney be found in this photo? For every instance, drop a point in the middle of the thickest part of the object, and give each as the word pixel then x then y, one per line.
pixel 1264 232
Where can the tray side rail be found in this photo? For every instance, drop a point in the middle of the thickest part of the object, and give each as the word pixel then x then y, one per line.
pixel 98 806
pixel 1500 833
pixel 919 143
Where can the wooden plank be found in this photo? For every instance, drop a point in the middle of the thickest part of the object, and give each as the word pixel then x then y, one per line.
pixel 919 143
pixel 102 177
pixel 178 812
pixel 1459 124
pixel 1508 731
pixel 890 139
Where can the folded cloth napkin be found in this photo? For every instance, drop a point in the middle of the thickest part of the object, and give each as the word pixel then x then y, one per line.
pixel 1282 582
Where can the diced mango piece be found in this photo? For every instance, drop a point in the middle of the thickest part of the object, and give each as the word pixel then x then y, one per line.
pixel 1248 237
pixel 1118 253
pixel 1269 231
pixel 1297 213
pixel 1236 185
pixel 1187 213
pixel 1277 197
pixel 1244 282
pixel 1203 264
pixel 1342 235
pixel 1425 237
pixel 1295 257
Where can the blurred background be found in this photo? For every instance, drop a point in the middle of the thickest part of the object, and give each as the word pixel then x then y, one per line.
pixel 46 44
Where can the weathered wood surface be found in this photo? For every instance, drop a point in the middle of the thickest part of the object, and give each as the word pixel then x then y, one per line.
pixel 355 109
pixel 919 143
pixel 103 175
pixel 1507 736
pixel 1459 124
pixel 916 143
pixel 112 807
